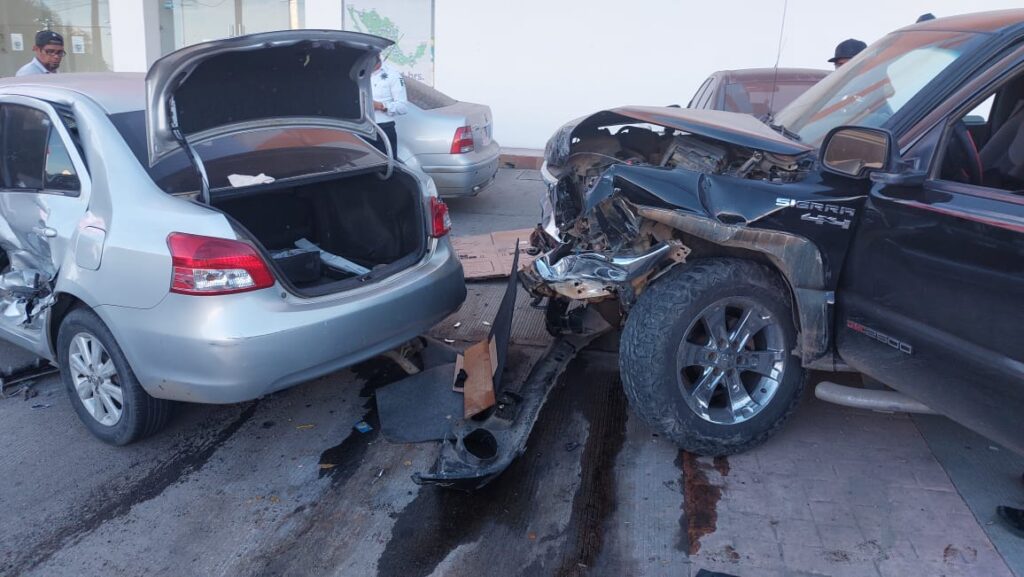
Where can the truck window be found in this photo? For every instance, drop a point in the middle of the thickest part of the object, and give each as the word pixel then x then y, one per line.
pixel 993 160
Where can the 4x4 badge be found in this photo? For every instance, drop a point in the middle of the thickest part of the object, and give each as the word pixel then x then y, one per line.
pixel 843 223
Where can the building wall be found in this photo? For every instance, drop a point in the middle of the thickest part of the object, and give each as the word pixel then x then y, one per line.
pixel 85 25
pixel 540 63
pixel 537 63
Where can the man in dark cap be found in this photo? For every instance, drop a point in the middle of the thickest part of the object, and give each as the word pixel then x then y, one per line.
pixel 846 50
pixel 49 49
pixel 925 17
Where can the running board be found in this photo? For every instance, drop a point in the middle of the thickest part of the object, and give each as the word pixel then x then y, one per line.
pixel 872 400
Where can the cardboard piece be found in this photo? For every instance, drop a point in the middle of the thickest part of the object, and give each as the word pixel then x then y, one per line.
pixel 488 256
pixel 478 390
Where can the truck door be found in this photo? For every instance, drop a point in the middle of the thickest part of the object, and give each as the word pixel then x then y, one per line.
pixel 931 300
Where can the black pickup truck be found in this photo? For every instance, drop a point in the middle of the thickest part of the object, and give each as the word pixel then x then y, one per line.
pixel 875 225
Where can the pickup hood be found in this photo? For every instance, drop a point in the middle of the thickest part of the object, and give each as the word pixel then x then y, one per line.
pixel 306 78
pixel 730 127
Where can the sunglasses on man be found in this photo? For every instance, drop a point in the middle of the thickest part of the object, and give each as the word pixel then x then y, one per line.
pixel 54 52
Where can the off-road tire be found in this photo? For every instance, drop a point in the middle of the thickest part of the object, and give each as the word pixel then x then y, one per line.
pixel 141 414
pixel 652 335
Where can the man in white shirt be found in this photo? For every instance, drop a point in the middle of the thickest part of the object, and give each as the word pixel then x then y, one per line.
pixel 49 52
pixel 389 100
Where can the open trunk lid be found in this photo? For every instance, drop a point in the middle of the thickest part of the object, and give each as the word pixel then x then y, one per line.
pixel 290 78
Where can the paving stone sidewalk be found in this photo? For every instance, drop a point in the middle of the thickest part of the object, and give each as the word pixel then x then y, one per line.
pixel 840 492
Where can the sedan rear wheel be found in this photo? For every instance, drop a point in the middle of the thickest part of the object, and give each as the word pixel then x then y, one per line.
pixel 96 380
pixel 103 389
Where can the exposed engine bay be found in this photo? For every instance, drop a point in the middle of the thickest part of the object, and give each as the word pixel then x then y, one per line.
pixel 604 174
pixel 593 153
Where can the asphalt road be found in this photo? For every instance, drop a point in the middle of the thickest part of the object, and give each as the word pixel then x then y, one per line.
pixel 285 486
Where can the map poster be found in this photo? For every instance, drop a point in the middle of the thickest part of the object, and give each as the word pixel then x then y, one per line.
pixel 410 23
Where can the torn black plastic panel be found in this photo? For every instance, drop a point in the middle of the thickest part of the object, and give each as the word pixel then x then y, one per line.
pixel 480 451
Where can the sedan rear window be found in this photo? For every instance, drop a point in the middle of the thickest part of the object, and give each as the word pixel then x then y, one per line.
pixel 754 97
pixel 426 97
pixel 281 153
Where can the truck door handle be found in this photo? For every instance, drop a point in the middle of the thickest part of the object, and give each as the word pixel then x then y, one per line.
pixel 45 231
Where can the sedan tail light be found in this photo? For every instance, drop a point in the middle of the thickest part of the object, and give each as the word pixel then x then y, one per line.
pixel 463 141
pixel 441 221
pixel 204 265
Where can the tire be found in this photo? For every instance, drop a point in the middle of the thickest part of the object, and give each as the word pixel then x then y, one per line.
pixel 81 340
pixel 666 380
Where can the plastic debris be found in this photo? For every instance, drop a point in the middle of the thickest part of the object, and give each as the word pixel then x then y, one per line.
pixel 303 427
pixel 449 341
pixel 457 325
pixel 237 180
pixel 41 406
pixel 487 323
pixel 327 465
pixel 363 427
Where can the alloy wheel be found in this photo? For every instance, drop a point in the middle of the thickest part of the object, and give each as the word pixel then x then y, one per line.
pixel 95 378
pixel 731 360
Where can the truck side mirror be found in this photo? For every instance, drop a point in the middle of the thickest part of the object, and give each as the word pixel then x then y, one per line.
pixel 855 151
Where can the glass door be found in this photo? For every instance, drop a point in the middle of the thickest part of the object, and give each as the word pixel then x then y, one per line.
pixel 187 22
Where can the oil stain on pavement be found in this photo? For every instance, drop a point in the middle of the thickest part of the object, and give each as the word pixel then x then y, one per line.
pixel 700 501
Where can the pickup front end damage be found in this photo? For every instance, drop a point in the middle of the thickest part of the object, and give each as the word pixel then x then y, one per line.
pixel 633 191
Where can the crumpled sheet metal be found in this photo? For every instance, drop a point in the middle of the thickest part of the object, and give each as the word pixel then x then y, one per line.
pixel 26 287
pixel 23 295
pixel 798 258
pixel 592 275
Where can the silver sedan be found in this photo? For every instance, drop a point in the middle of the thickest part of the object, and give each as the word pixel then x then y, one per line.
pixel 447 139
pixel 212 232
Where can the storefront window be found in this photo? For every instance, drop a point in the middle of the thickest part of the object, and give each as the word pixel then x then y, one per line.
pixel 85 25
pixel 187 22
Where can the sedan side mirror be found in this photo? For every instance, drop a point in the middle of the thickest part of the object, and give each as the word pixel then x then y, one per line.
pixel 855 151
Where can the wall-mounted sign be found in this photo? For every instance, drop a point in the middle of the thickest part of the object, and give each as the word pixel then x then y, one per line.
pixel 17 42
pixel 410 23
pixel 78 44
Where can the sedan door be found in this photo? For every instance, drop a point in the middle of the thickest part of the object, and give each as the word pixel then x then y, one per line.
pixel 43 196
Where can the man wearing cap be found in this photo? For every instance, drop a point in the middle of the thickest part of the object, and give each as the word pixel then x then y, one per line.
pixel 49 49
pixel 846 50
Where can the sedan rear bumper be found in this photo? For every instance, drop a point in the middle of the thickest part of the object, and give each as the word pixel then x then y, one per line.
pixel 462 175
pixel 227 349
